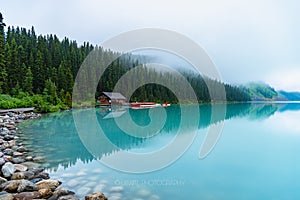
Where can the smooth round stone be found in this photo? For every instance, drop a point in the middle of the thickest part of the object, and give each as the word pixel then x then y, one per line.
pixel 8 169
pixel 29 158
pixel 18 176
pixel 20 168
pixel 27 195
pixel 35 180
pixel 6 197
pixel 95 196
pixel 28 175
pixel 5 117
pixel 3 133
pixel 50 184
pixel 4 129
pixel 27 186
pixel 45 193
pixel 73 183
pixel 67 175
pixel 143 193
pixel 11 186
pixel 117 189
pixel 17 154
pixel 68 197
pixel 81 173
pixel 99 188
pixel 17 160
pixel 21 149
pixel 12 143
pixel 2 161
pixel 6 145
pixel 93 178
pixel 31 164
pixel 114 197
pixel 8 152
pixel 7 158
pixel 9 126
pixel 62 191
pixel 8 137
pixel 10 114
pixel 83 191
pixel 14 148
pixel 2 180
pixel 43 175
pixel 38 159
pixel 36 170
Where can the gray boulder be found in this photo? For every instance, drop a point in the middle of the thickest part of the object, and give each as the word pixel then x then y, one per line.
pixel 8 169
pixel 27 186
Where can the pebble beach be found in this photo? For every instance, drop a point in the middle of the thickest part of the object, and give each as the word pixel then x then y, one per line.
pixel 20 179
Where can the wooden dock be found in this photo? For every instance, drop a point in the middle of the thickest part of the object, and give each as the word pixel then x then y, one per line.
pixel 18 110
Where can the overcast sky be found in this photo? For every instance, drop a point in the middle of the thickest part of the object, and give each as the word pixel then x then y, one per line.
pixel 247 40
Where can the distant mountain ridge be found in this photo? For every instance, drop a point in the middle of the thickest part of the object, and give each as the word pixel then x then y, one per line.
pixel 292 96
pixel 260 91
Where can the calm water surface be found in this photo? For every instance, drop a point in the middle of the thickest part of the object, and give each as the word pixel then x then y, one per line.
pixel 256 156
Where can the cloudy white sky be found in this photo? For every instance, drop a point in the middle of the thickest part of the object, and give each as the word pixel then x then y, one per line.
pixel 248 40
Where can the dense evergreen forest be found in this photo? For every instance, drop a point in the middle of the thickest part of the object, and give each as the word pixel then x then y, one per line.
pixel 39 71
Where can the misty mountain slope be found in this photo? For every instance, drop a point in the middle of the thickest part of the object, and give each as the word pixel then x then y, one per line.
pixel 292 96
pixel 259 91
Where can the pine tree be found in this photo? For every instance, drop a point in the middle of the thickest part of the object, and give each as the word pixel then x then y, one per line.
pixel 68 99
pixel 3 74
pixel 27 85
pixel 50 92
pixel 38 76
pixel 12 63
pixel 21 64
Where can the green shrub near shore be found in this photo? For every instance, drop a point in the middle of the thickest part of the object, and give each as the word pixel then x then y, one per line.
pixel 25 100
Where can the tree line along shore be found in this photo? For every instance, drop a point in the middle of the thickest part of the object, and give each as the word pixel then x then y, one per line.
pixel 39 71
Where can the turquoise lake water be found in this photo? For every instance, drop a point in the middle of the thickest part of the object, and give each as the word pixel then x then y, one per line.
pixel 256 156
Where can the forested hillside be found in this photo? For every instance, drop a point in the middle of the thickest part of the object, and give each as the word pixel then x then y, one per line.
pixel 37 70
pixel 27 61
pixel 260 91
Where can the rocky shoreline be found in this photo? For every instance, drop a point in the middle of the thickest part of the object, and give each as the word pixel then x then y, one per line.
pixel 18 179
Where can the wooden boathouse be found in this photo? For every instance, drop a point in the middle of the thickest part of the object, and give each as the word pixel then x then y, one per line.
pixel 111 98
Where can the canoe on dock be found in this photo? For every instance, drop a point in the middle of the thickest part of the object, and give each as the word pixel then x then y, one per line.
pixel 142 105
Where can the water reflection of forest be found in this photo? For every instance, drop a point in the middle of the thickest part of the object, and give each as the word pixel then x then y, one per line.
pixel 55 136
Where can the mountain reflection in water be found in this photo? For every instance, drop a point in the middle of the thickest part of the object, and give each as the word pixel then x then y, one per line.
pixel 55 136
